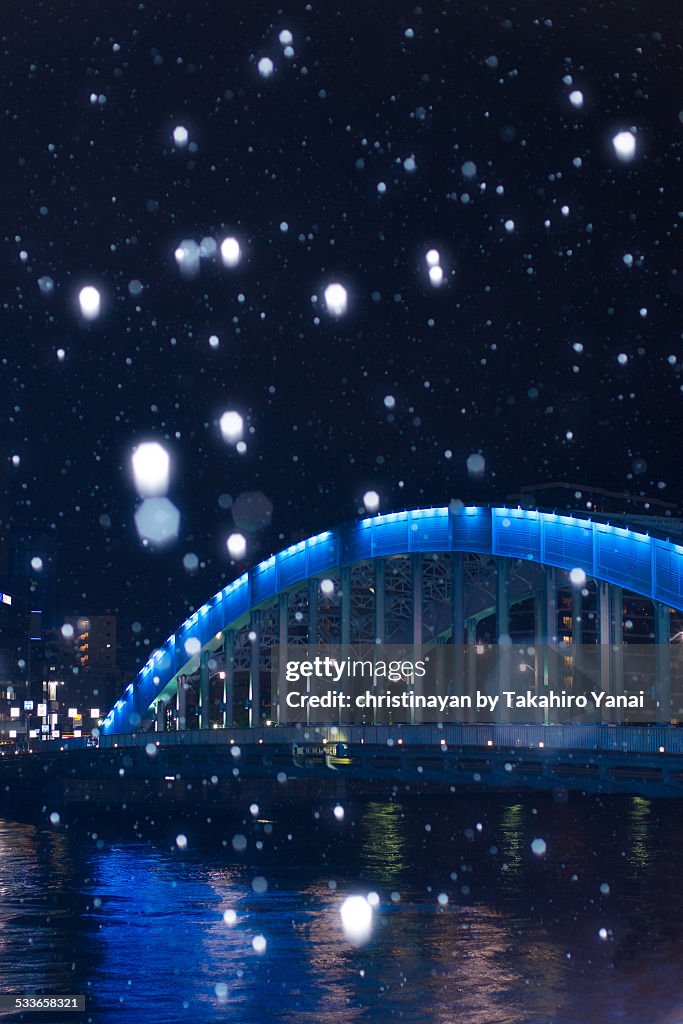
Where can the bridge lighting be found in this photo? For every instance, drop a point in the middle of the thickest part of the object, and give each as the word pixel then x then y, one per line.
pixel 230 252
pixel 151 466
pixel 356 916
pixel 232 426
pixel 90 302
pixel 237 546
pixel 336 299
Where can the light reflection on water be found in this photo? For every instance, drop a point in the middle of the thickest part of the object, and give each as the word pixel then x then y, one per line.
pixel 138 925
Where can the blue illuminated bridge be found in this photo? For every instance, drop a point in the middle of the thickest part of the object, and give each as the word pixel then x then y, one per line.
pixel 586 591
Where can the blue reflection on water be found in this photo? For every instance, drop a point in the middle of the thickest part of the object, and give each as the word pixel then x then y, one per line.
pixel 471 925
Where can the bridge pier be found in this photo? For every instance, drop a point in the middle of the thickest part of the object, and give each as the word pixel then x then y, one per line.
pixel 160 720
pixel 457 667
pixel 663 663
pixel 255 670
pixel 577 630
pixel 181 704
pixel 471 627
pixel 283 639
pixel 228 679
pixel 503 633
pixel 313 588
pixel 545 638
pixel 204 690
pixel 380 567
pixel 416 562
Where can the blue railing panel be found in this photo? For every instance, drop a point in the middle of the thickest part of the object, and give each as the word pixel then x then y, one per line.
pixel 567 543
pixel 668 573
pixel 623 558
pixel 471 530
pixel 516 534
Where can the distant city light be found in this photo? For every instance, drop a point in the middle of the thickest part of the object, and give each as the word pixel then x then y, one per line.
pixel 90 302
pixel 230 252
pixel 336 299
pixel 151 467
pixel 624 145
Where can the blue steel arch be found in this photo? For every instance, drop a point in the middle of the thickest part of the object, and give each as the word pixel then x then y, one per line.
pixel 647 565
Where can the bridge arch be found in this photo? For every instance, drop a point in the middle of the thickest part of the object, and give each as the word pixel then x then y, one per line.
pixel 615 557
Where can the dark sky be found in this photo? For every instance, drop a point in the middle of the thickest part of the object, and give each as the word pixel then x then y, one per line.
pixel 94 192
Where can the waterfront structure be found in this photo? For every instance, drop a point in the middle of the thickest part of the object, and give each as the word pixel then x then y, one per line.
pixel 465 576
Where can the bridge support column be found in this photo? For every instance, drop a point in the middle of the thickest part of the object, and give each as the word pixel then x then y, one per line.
pixel 204 690
pixel 541 656
pixel 255 671
pixel 663 663
pixel 471 627
pixel 345 616
pixel 457 666
pixel 181 705
pixel 228 679
pixel 160 723
pixel 546 633
pixel 617 640
pixel 503 635
pixel 283 640
pixel 313 590
pixel 577 635
pixel 345 605
pixel 416 561
pixel 604 615
pixel 380 567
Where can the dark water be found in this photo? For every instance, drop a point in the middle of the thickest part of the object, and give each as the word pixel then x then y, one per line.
pixel 118 911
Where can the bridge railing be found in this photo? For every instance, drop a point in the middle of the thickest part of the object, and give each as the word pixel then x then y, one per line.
pixel 627 739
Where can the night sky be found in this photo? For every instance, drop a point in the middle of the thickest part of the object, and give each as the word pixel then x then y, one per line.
pixel 552 347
